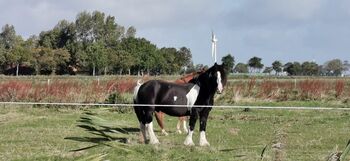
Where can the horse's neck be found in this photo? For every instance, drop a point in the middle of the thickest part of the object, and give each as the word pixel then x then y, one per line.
pixel 206 88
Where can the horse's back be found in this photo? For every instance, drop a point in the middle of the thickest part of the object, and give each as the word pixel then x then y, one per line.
pixel 161 92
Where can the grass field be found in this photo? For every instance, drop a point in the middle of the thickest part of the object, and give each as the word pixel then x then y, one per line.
pixel 61 133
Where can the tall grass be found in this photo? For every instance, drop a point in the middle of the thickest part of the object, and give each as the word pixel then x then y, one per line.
pixel 93 90
pixel 63 90
pixel 288 90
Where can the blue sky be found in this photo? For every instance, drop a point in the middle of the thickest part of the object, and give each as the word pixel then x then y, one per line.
pixel 285 30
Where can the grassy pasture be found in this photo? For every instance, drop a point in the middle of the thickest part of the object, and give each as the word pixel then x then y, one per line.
pixel 61 133
pixel 81 133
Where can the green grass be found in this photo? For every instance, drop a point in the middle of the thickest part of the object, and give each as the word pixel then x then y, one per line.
pixel 28 133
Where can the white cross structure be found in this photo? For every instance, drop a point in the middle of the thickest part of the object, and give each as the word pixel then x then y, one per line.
pixel 213 46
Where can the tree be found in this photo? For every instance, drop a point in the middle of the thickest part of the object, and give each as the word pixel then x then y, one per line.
pixel 168 65
pixel 16 53
pixel 268 70
pixel 3 53
pixel 241 68
pixel 277 67
pixel 97 57
pixel 255 63
pixel 84 27
pixel 8 37
pixel 183 57
pixel 309 68
pixel 130 32
pixel 50 61
pixel 229 62
pixel 293 68
pixel 334 67
pixel 346 65
pixel 200 67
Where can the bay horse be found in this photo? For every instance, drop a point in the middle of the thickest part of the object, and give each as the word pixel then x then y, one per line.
pixel 199 91
pixel 182 119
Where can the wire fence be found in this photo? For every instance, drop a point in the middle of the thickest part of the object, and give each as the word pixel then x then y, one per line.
pixel 181 106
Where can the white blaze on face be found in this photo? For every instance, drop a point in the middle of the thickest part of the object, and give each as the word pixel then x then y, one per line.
pixel 218 81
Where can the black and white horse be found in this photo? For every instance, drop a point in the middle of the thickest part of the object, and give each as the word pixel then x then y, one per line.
pixel 199 91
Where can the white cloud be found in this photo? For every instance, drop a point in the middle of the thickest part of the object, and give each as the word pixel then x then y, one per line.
pixel 269 28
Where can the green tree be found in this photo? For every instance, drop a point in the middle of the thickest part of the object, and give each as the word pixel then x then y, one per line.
pixel 167 64
pixel 229 62
pixel 130 32
pixel 309 68
pixel 277 67
pixel 268 70
pixel 84 27
pixel 3 53
pixel 17 56
pixel 183 57
pixel 241 68
pixel 96 57
pixel 15 53
pixel 143 52
pixel 50 61
pixel 334 67
pixel 200 67
pixel 255 64
pixel 293 68
pixel 8 37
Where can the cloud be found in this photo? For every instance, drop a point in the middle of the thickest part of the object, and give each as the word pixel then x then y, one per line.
pixel 271 29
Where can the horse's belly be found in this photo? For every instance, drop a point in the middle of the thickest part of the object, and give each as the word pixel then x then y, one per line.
pixel 174 111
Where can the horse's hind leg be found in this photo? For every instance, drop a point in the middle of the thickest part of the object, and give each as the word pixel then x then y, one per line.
pixel 178 126
pixel 140 117
pixel 160 120
pixel 149 126
pixel 182 121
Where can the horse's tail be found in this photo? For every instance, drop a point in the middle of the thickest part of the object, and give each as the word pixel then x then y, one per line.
pixel 136 89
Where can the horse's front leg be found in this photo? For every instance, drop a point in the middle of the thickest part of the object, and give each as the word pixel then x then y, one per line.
pixel 193 119
pixel 202 127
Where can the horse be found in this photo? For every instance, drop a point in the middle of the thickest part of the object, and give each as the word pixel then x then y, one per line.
pixel 182 119
pixel 199 91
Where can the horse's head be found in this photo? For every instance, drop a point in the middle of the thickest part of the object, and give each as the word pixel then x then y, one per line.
pixel 217 76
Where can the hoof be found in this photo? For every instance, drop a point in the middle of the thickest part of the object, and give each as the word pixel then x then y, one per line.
pixel 154 142
pixel 179 131
pixel 189 142
pixel 204 144
pixel 164 133
pixel 185 131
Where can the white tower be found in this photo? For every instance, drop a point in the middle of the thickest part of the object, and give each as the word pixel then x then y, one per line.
pixel 213 46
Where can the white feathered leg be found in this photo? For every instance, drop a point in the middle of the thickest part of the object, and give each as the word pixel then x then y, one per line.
pixel 189 141
pixel 143 132
pixel 152 137
pixel 203 140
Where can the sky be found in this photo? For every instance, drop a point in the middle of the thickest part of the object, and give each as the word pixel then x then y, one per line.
pixel 284 30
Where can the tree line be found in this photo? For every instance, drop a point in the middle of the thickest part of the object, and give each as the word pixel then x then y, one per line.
pixel 334 67
pixel 93 44
pixel 96 44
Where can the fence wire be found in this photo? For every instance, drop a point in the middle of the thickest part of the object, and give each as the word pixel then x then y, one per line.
pixel 181 106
